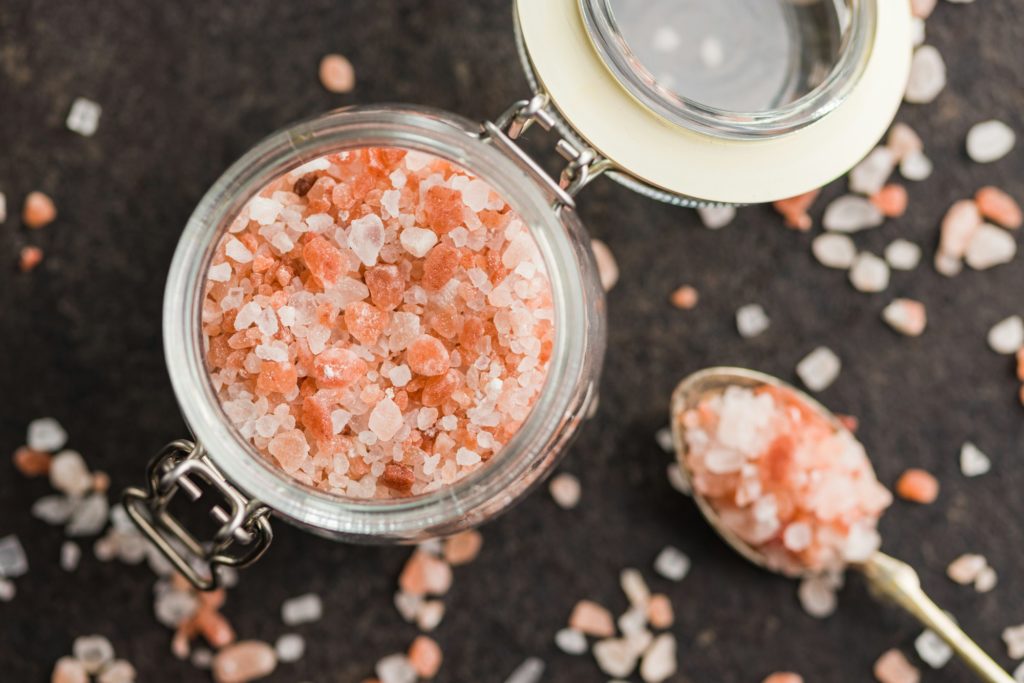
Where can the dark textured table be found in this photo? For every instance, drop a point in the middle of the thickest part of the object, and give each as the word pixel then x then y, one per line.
pixel 188 87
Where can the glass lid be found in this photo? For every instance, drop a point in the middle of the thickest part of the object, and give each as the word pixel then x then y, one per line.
pixel 734 68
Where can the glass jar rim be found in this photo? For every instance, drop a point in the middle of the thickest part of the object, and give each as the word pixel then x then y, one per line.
pixel 621 61
pixel 479 495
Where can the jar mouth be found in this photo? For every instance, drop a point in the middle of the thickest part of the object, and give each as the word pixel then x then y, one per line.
pixel 738 69
pixel 479 495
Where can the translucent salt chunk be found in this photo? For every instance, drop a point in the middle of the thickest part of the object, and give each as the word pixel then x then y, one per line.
pixel 13 561
pixel 237 251
pixel 418 241
pixel 400 375
pixel 466 457
pixel 672 564
pixel 366 237
pixel 302 609
pixel 819 369
pixel 385 419
pixel 46 434
pixel 220 272
pixel 339 420
pixel 264 211
pixel 84 117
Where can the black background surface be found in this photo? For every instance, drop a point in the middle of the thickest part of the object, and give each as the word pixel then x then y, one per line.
pixel 187 87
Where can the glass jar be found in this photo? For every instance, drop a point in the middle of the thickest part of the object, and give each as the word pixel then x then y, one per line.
pixel 614 117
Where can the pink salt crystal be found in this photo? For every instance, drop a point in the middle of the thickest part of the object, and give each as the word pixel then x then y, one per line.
pixel 425 574
pixel 903 140
pixel 290 449
pixel 442 209
pixel 893 667
pixel 398 477
pixel 906 316
pixel 337 74
pixel 31 463
pixel 966 568
pixel 440 266
pixel 324 261
pixel 38 211
pixel 386 286
pixel 386 419
pixel 69 670
pixel 684 298
pixel 244 661
pixel 999 207
pixel 425 656
pixel 784 677
pixel 212 625
pixel 891 200
pixel 922 9
pixel 365 322
pixel 958 227
pixel 462 548
pixel 366 238
pixel 565 490
pixel 337 368
pixel 607 268
pixel 659 611
pixel 279 377
pixel 427 356
pixel 918 486
pixel 29 258
pixel 592 619
pixel 794 210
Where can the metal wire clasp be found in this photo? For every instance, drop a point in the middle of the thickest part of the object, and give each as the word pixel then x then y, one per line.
pixel 244 532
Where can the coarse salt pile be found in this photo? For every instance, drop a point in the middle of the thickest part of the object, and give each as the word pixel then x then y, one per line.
pixel 378 323
pixel 780 476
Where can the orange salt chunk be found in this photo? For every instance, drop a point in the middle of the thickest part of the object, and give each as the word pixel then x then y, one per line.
pixel 999 207
pixel 784 677
pixel 337 368
pixel 918 486
pixel 365 322
pixel 290 449
pixel 462 548
pixel 425 656
pixel 357 468
pixel 214 628
pixel 891 200
pixel 684 298
pixel 442 209
pixel 38 211
pixel 471 334
pixel 1020 365
pixel 794 209
pixel 440 265
pixel 29 258
pixel 592 619
pixel 100 482
pixel 398 477
pixel 324 261
pixel 659 611
pixel 849 421
pixel 427 356
pixel 316 417
pixel 320 195
pixel 214 599
pixel 386 286
pixel 280 377
pixel 893 667
pixel 337 74
pixel 31 463
pixel 439 389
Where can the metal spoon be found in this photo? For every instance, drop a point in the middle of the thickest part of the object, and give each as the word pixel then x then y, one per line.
pixel 886 575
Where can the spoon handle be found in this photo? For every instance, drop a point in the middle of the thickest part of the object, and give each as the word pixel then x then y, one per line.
pixel 898 581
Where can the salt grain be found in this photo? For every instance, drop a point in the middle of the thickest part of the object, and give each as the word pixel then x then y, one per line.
pixel 615 657
pixel 966 568
pixel 990 141
pixel 990 246
pixel 337 74
pixel 918 486
pixel 906 316
pixel 659 662
pixel 1013 636
pixel 93 652
pixel 672 563
pixel 38 210
pixel 592 619
pixel 986 580
pixel 751 320
pixel 244 661
pixel 1007 336
pixel 418 241
pixel 607 268
pixel 237 251
pixel 565 490
pixel 429 615
pixel 819 369
pixel 817 596
pixel 425 656
pixel 932 649
pixel 69 670
pixel 84 117
pixel 834 250
pixel 89 516
pixel 916 166
pixel 46 434
pixel 290 647
pixel 870 175
pixel 463 548
pixel 902 255
pixel 13 561
pixel 869 273
pixel 7 590
pixel 893 667
pixel 927 76
pixel 851 213
pixel 635 588
pixel 530 671
pixel 716 217
pixel 302 610
pixel 120 671
pixel 973 463
pixel 70 554
pixel 571 641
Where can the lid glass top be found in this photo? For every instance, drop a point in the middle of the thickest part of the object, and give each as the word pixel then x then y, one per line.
pixel 734 68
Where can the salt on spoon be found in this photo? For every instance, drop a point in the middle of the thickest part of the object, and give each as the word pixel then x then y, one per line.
pixel 888 576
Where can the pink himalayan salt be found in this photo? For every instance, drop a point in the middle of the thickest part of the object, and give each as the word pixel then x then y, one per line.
pixel 685 297
pixel 29 257
pixel 425 656
pixel 659 611
pixel 31 463
pixel 780 476
pixel 784 677
pixel 893 667
pixel 462 548
pixel 337 74
pixel 425 574
pixel 592 619
pixel 891 200
pixel 918 486
pixel 794 210
pixel 244 661
pixel 363 362
pixel 960 223
pixel 999 207
pixel 69 670
pixel 38 211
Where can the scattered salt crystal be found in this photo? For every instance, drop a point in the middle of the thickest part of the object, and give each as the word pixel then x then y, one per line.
pixel 69 670
pixel 1018 674
pixel 592 619
pixel 530 671
pixel 932 649
pixel 635 588
pixel 751 320
pixel 571 641
pixel 89 516
pixel 290 647
pixel 463 548
pixel 869 273
pixel 870 175
pixel 990 246
pixel 3 207
pixel 7 590
pixel 366 238
pixel 1013 636
pixel 990 141
pixel 903 140
pixel 429 615
pixel 408 605
pixel 302 609
pixel 916 166
pixel 615 657
pixel 174 607
pixel 119 671
pixel 237 251
pixel 565 490
pixel 220 272
pixel 784 677
pixel 264 210
pixel 46 434
pixel 902 255
pixel 84 117
pixel 607 268
pixel 893 667
pixel 425 656
pixel 69 473
pixel 678 480
pixel 851 213
pixel 659 611
pixel 466 457
pixel 418 241
pixel 1007 336
pixel 70 554
pixel 93 652
pixel 973 463
pixel 664 438
pixel 819 369
pixel 927 76
pixel 659 662
pixel 13 561
pixel 966 568
pixel 716 217
pixel 38 210
pixel 834 250
pixel 244 661
pixel 337 74
pixel 817 596
pixel 906 316
pixel 672 563
pixel 685 297
pixel 986 580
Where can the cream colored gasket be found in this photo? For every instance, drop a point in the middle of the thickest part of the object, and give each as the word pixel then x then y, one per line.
pixel 707 168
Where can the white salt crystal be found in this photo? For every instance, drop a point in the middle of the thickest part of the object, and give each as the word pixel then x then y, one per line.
pixel 834 250
pixel 932 649
pixel 664 438
pixel 635 588
pixel 70 554
pixel 55 509
pixel 797 536
pixel 466 457
pixel 89 516
pixel 418 241
pixel 851 213
pixel 290 647
pixel 46 434
pixel 118 671
pixel 84 117
pixel 565 490
pixel 973 462
pixel 870 175
pixel 69 474
pixel 869 273
pixel 13 561
pixel 902 255
pixel 237 251
pixel 716 217
pixel 220 272
pixel 247 315
pixel 266 321
pixel 672 563
pixel 916 166
pixel 3 207
pixel 990 246
pixel 396 668
pixel 366 237
pixel 93 652
pixel 819 369
pixel 817 596
pixel 966 568
pixel 615 657
pixel 990 141
pixel 529 671
pixel 282 242
pixel 385 419
pixel 607 267
pixel 389 202
pixel 927 76
pixel 302 609
pixel 571 641
pixel 1018 674
pixel 751 320
pixel 408 605
pixel 678 480
pixel 906 316
pixel 1013 636
pixel 264 210
pixel 659 662
pixel 429 615
pixel 7 590
pixel 917 31
pixel 986 580
pixel 903 140
pixel 425 418
pixel 475 194
pixel 1007 336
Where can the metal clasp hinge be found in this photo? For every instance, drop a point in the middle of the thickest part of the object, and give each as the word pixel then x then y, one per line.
pixel 244 532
